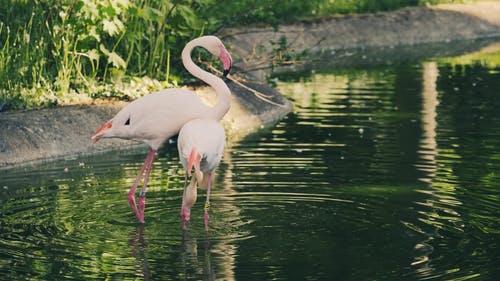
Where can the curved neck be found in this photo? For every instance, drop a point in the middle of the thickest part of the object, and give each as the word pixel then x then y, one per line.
pixel 220 87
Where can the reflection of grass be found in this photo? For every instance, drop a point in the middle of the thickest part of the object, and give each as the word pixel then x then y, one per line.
pixel 488 57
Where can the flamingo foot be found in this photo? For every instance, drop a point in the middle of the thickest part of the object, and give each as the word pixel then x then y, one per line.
pixel 185 216
pixel 131 202
pixel 185 224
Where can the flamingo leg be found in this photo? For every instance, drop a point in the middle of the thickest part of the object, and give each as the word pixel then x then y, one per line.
pixel 131 194
pixel 183 212
pixel 207 202
pixel 142 194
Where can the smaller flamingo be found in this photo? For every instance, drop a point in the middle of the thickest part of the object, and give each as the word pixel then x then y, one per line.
pixel 200 144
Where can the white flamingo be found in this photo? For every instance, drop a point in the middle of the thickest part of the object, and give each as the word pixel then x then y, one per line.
pixel 158 116
pixel 200 144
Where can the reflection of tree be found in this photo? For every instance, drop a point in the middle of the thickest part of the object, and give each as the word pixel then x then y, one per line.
pixel 457 155
pixel 471 116
pixel 428 146
pixel 470 134
pixel 356 129
pixel 369 115
pixel 427 162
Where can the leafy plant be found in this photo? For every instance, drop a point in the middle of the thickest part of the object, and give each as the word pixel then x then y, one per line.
pixel 283 55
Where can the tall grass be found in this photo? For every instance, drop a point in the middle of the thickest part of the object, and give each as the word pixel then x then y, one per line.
pixel 64 51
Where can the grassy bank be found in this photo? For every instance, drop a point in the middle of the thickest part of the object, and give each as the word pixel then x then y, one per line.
pixel 71 51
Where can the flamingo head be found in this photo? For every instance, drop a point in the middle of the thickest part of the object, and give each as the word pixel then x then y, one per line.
pixel 226 59
pixel 188 200
pixel 194 160
pixel 215 46
pixel 118 127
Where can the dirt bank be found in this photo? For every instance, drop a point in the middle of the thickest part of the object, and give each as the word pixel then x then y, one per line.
pixel 49 133
pixel 57 132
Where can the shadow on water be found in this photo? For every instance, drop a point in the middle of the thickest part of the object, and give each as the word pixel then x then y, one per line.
pixel 381 172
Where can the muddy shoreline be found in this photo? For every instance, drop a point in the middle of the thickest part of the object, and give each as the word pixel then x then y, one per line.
pixel 50 133
pixel 46 134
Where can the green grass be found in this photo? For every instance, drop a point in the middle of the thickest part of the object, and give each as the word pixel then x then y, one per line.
pixel 489 58
pixel 69 51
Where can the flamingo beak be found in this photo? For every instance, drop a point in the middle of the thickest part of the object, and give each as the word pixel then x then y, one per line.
pixel 194 160
pixel 226 59
pixel 96 136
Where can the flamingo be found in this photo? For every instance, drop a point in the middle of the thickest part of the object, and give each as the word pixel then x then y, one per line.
pixel 156 117
pixel 200 144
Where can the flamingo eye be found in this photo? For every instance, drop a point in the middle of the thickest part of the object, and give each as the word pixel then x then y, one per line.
pixel 127 122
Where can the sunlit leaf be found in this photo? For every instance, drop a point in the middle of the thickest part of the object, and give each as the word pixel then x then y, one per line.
pixel 123 3
pixel 119 24
pixel 93 54
pixel 109 27
pixel 116 60
pixel 89 10
pixel 94 34
pixel 119 5
pixel 113 57
pixel 149 13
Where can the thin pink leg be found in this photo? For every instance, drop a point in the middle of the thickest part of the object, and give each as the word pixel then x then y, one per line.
pixel 183 212
pixel 142 194
pixel 131 193
pixel 207 202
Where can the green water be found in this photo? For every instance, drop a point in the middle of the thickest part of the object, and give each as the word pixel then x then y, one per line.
pixel 380 173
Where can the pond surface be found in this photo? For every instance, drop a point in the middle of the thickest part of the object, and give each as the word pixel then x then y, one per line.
pixel 381 173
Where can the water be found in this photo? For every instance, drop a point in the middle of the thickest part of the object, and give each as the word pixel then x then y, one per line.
pixel 380 173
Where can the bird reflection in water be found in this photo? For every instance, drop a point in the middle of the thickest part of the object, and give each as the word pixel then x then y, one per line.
pixel 193 264
pixel 189 255
pixel 138 247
